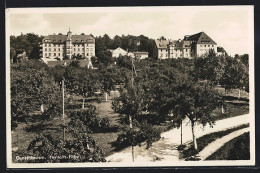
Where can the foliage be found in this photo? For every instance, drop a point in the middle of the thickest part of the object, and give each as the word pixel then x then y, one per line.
pixel 29 43
pixel 135 136
pixel 235 75
pixel 82 148
pixel 88 121
pixel 31 86
pixel 210 67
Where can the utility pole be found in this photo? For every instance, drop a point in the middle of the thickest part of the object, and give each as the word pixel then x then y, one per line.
pixel 130 118
pixel 63 114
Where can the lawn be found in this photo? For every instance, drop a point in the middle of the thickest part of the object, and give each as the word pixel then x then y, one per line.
pixel 188 153
pixel 236 149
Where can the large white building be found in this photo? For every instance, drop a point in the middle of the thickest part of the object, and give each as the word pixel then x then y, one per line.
pixel 61 46
pixel 190 47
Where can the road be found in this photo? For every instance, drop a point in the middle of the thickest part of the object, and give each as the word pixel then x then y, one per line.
pixel 166 148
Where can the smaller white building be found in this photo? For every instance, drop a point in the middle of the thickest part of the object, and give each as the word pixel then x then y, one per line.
pixel 141 55
pixel 119 52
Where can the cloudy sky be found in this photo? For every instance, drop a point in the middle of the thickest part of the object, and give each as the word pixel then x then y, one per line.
pixel 230 26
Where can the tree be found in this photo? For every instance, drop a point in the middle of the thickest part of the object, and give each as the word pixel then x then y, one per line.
pixel 235 76
pixel 31 87
pixel 209 67
pixel 197 103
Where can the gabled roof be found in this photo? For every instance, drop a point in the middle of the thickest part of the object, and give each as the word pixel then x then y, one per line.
pixel 201 38
pixel 75 38
pixel 119 49
pixel 162 44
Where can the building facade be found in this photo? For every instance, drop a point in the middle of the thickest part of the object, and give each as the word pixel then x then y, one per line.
pixel 190 47
pixel 118 52
pixel 69 46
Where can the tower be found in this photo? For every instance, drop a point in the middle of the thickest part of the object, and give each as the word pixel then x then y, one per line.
pixel 69 44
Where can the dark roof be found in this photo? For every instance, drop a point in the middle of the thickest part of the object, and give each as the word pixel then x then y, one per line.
pixel 177 44
pixel 140 52
pixel 82 63
pixel 162 44
pixel 75 38
pixel 201 38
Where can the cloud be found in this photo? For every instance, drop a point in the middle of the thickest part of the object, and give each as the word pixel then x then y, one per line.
pixel 28 23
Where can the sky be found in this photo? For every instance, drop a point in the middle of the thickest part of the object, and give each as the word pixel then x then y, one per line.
pixel 230 27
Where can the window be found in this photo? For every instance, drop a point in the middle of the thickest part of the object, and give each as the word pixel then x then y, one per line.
pixel 58 49
pixel 166 55
pixel 208 45
pixel 49 49
pixel 45 44
pixel 200 45
pixel 54 54
pixel 46 54
pixel 78 49
pixel 74 49
pixel 161 54
pixel 49 54
pixel 212 45
pixel 87 54
pixel 82 49
pixel 45 49
pixel 166 50
pixel 59 54
pixel 161 50
pixel 54 49
pixel 205 45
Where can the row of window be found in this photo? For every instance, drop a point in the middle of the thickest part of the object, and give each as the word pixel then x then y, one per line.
pixel 206 45
pixel 59 54
pixel 61 45
pixel 61 49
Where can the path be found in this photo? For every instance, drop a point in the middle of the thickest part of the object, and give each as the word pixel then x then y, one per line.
pixel 215 145
pixel 166 148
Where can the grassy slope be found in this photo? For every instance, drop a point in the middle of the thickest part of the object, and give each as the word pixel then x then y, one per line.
pixel 206 139
pixel 236 149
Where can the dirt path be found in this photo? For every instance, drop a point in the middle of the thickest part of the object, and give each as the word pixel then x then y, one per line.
pixel 215 145
pixel 166 148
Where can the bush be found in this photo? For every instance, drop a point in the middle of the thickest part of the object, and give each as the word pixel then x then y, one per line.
pixel 82 148
pixel 89 120
pixel 135 136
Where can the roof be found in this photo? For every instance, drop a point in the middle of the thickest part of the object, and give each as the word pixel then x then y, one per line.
pixel 177 44
pixel 75 38
pixel 201 38
pixel 82 63
pixel 162 44
pixel 140 52
pixel 119 49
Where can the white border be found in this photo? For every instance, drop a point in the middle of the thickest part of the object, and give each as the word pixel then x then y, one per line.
pixel 129 164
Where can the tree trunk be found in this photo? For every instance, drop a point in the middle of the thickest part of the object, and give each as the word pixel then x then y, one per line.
pixel 239 93
pixel 106 96
pixel 83 103
pixel 181 132
pixel 42 108
pixel 193 136
pixel 222 109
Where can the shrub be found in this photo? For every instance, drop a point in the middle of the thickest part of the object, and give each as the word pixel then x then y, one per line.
pixel 89 120
pixel 135 136
pixel 82 148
